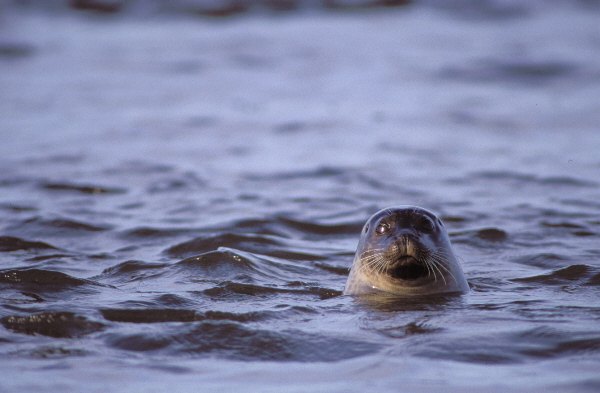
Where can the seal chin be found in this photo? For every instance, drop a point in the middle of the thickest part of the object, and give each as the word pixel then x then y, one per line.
pixel 407 268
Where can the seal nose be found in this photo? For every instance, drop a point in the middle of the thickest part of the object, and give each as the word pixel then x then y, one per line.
pixel 405 242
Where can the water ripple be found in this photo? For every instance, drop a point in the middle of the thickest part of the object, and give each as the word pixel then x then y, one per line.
pixel 231 340
pixel 10 243
pixel 83 189
pixel 570 275
pixel 47 279
pixel 54 324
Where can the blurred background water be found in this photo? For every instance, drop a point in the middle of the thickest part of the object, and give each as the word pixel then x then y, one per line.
pixel 183 183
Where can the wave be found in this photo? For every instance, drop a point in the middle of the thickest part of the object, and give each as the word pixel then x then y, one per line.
pixel 252 243
pixel 58 227
pixel 162 315
pixel 517 179
pixel 517 71
pixel 481 238
pixel 515 347
pixel 232 340
pixel 576 274
pixel 11 243
pixel 40 277
pixel 235 290
pixel 83 189
pixel 274 246
pixel 53 324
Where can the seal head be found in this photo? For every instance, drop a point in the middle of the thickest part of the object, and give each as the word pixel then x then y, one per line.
pixel 405 250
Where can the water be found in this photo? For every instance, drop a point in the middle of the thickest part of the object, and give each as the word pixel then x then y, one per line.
pixel 181 197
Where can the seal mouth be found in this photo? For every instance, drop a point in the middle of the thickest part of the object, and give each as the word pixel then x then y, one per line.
pixel 407 268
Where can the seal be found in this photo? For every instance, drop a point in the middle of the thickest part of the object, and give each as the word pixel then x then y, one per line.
pixel 405 250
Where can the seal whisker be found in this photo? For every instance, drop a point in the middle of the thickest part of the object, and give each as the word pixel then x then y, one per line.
pixel 368 260
pixel 381 266
pixel 423 260
pixel 429 270
pixel 370 252
pixel 434 269
pixel 434 263
pixel 371 256
pixel 372 263
pixel 440 263
pixel 435 279
pixel 444 253
pixel 372 259
pixel 378 267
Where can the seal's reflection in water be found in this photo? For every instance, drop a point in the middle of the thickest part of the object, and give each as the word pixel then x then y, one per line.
pixel 398 317
pixel 384 302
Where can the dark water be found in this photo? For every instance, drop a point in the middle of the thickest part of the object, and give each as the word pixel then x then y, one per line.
pixel 181 197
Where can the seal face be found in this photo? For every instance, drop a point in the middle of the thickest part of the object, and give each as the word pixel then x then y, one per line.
pixel 405 250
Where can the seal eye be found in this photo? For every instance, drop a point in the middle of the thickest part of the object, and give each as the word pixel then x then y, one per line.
pixel 425 225
pixel 382 228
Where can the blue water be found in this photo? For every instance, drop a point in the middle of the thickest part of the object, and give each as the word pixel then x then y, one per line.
pixel 181 195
